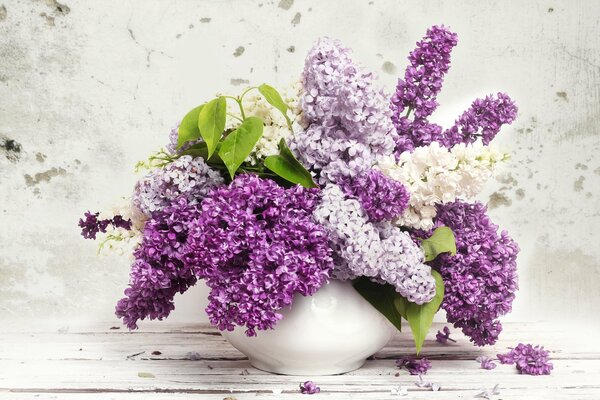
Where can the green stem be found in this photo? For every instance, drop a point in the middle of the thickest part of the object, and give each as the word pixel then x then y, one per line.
pixel 241 97
pixel 236 117
pixel 241 109
pixel 409 111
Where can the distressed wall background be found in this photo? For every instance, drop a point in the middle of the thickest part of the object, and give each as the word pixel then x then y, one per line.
pixel 88 88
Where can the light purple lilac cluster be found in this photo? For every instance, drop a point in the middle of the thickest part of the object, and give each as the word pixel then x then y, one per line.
pixel 158 272
pixel 381 198
pixel 349 117
pixel 529 360
pixel 380 251
pixel 256 245
pixel 91 225
pixel 174 141
pixel 185 177
pixel 481 279
pixel 415 100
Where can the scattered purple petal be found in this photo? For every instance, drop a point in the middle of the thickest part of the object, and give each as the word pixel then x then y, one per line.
pixel 309 387
pixel 399 391
pixel 443 336
pixel 529 360
pixel 193 356
pixel 414 366
pixel 488 393
pixel 486 362
pixel 431 385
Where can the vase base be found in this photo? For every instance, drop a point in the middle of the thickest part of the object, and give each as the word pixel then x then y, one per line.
pixel 305 370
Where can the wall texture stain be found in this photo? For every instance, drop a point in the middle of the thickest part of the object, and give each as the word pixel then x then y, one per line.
pixel 286 4
pixel 11 148
pixel 45 176
pixel 498 199
pixel 239 51
pixel 296 19
pixel 106 83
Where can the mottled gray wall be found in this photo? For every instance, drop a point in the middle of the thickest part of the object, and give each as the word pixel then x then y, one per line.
pixel 87 88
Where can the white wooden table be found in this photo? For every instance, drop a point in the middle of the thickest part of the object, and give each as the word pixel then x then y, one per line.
pixel 154 363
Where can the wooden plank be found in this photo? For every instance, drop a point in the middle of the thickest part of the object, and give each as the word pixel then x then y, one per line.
pixel 193 375
pixel 210 345
pixel 99 362
pixel 505 394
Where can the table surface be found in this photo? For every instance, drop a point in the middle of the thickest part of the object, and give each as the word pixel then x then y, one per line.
pixel 195 361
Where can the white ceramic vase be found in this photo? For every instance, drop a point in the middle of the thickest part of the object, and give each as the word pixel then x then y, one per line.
pixel 331 332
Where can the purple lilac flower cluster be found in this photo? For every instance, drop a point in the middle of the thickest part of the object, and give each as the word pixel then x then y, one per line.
pixel 256 245
pixel 416 93
pixel 189 177
pixel 530 360
pixel 481 279
pixel 483 119
pixel 91 225
pixel 349 117
pixel 158 272
pixel 413 365
pixel 381 198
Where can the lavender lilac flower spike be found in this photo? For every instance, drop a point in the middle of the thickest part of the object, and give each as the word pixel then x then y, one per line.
pixel 188 177
pixel 256 245
pixel 423 78
pixel 349 117
pixel 530 360
pixel 414 100
pixel 416 93
pixel 380 251
pixel 481 279
pixel 483 119
pixel 382 198
pixel 158 273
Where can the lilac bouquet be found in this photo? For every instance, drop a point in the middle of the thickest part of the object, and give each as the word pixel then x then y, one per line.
pixel 270 194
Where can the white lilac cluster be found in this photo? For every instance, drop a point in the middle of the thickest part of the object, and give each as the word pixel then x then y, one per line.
pixel 349 115
pixel 380 251
pixel 437 175
pixel 186 176
pixel 118 239
pixel 275 126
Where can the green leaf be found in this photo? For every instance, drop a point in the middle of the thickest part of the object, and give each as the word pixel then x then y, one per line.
pixel 201 150
pixel 188 129
pixel 288 167
pixel 239 143
pixel 145 375
pixel 420 317
pixel 382 297
pixel 274 98
pixel 441 241
pixel 211 122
